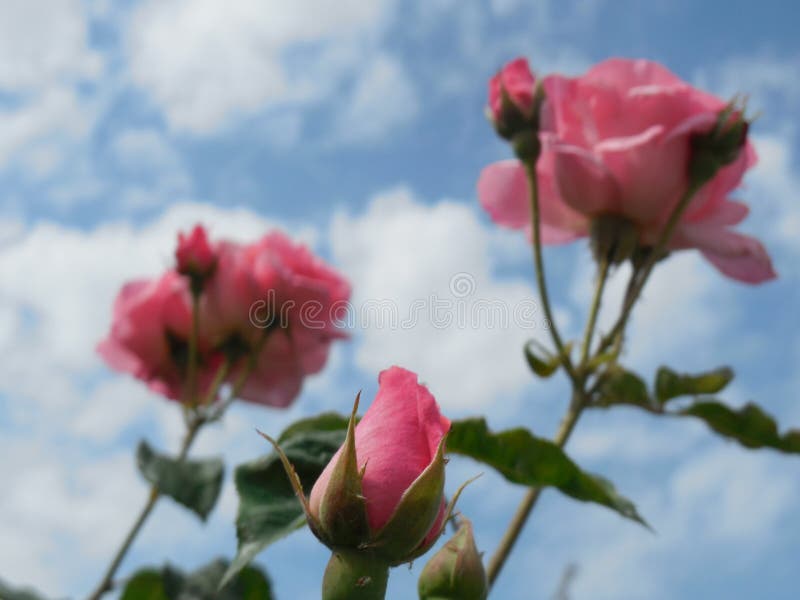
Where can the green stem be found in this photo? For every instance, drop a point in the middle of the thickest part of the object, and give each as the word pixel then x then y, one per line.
pixel 194 424
pixel 602 277
pixel 532 495
pixel 354 576
pixel 191 369
pixel 530 168
pixel 647 268
pixel 577 404
pixel 106 583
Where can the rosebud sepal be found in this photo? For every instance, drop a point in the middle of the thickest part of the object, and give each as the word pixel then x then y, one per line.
pixel 296 484
pixel 343 509
pixel 451 506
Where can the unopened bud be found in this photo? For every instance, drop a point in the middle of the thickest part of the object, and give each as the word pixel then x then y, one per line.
pixel 515 98
pixel 195 257
pixel 456 571
pixel 719 147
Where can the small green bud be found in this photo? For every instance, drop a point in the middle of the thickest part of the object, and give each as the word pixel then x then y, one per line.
pixel 719 147
pixel 456 571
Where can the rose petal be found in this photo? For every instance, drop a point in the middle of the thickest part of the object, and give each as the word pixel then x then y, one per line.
pixel 738 256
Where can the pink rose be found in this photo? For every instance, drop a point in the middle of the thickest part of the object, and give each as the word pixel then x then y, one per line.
pixel 194 255
pixel 278 289
pixel 149 335
pixel 618 140
pixel 395 441
pixel 519 85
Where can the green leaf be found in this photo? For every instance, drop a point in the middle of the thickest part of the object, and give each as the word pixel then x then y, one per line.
pixel 170 583
pixel 623 387
pixel 670 384
pixel 528 460
pixel 749 425
pixel 145 585
pixel 194 483
pixel 329 421
pixel 540 360
pixel 268 506
pixel 9 593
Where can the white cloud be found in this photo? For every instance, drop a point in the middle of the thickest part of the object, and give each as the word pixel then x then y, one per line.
pixel 48 119
pixel 145 150
pixel 763 79
pixel 146 156
pixel 383 98
pixel 43 42
pixel 44 52
pixel 775 184
pixel 407 257
pixel 205 61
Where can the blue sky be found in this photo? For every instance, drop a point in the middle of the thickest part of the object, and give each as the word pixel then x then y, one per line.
pixel 358 126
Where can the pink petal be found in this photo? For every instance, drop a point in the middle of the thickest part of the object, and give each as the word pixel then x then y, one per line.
pixel 504 193
pixel 396 440
pixel 650 172
pixel 626 73
pixel 738 256
pixel 584 182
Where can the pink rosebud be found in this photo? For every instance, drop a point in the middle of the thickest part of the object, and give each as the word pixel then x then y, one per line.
pixel 194 255
pixel 278 299
pixel 399 449
pixel 619 141
pixel 517 85
pixel 149 335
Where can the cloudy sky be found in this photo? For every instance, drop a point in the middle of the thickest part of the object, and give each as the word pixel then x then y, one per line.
pixel 357 126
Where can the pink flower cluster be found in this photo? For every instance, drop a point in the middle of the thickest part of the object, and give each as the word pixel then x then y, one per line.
pixel 152 319
pixel 618 141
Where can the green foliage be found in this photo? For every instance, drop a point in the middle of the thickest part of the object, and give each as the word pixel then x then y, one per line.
pixel 268 506
pixel 669 384
pixel 196 484
pixel 9 593
pixel 147 584
pixel 170 583
pixel 540 360
pixel 526 459
pixel 749 425
pixel 623 387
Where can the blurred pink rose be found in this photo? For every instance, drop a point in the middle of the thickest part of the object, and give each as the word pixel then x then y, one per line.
pixel 194 254
pixel 396 440
pixel 278 289
pixel 271 299
pixel 618 141
pixel 149 335
pixel 519 85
